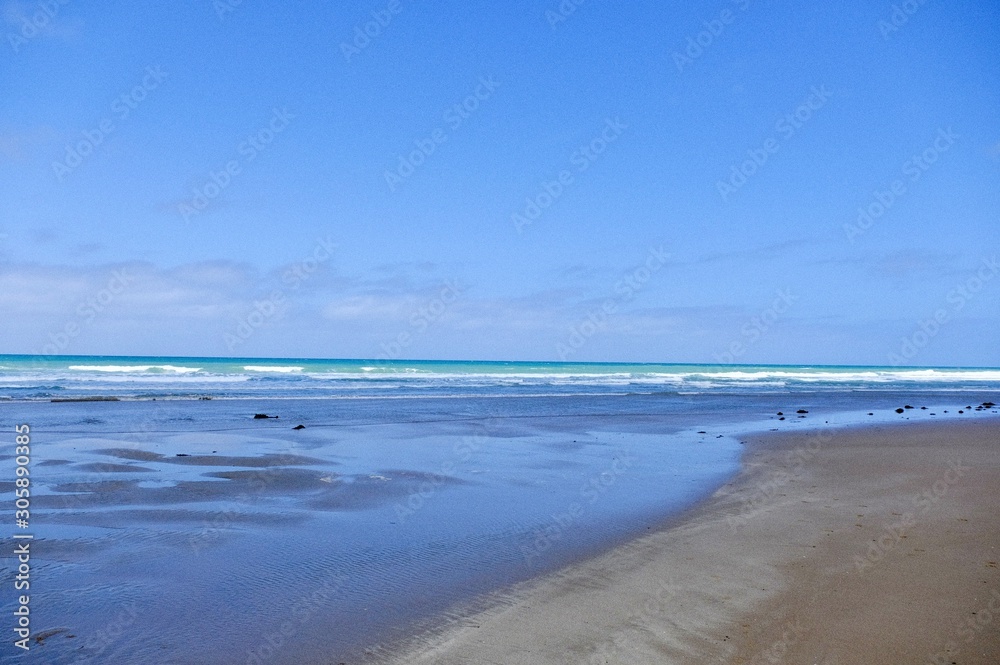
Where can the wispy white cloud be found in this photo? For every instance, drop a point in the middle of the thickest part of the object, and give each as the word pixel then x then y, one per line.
pixel 114 302
pixel 140 308
pixel 763 253
pixel 369 307
pixel 905 264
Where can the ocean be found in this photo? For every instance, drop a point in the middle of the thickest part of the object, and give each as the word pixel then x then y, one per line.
pixel 376 500
pixel 47 377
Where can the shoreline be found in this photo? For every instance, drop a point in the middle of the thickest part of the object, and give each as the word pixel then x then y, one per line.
pixel 874 543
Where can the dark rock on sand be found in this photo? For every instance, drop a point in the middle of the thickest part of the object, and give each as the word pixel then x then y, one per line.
pixel 46 634
pixel 299 427
pixel 262 416
pixel 899 410
pixel 801 411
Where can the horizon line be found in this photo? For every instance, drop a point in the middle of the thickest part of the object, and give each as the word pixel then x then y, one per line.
pixel 470 361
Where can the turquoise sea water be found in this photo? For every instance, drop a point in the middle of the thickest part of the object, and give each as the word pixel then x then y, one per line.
pixel 46 377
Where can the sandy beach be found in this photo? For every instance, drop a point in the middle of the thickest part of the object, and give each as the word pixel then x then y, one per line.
pixel 836 546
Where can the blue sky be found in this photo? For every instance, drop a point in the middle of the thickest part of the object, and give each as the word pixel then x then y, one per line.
pixel 520 180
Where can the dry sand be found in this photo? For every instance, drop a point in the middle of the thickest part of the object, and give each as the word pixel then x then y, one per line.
pixel 875 545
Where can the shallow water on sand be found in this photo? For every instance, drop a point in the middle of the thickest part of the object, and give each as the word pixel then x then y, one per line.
pixel 189 532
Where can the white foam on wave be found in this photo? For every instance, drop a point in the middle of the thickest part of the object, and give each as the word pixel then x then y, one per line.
pixel 681 378
pixel 225 377
pixel 120 369
pixel 952 375
pixel 707 378
pixel 873 376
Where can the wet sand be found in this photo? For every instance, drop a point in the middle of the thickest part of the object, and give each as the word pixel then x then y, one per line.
pixel 864 545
